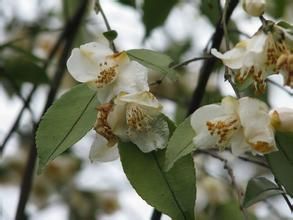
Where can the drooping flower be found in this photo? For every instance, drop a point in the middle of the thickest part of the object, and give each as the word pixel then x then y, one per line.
pixel 254 7
pixel 109 73
pixel 257 57
pixel 104 147
pixel 282 119
pixel 243 124
pixel 137 118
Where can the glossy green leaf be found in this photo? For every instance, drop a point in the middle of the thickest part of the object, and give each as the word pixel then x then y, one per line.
pixel 281 161
pixel 65 122
pixel 154 60
pixel 180 144
pixel 172 192
pixel 259 189
pixel 211 9
pixel 155 12
pixel 21 69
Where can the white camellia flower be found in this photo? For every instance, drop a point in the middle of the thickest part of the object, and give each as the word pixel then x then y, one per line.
pixel 137 118
pixel 255 57
pixel 105 145
pixel 254 7
pixel 282 119
pixel 109 73
pixel 243 124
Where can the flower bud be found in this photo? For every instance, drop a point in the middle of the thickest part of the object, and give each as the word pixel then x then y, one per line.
pixel 254 7
pixel 282 119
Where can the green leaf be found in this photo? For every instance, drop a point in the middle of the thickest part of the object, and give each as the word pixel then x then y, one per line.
pixel 259 189
pixel 110 35
pixel 285 142
pixel 172 192
pixel 211 9
pixel 65 122
pixel 180 144
pixel 21 69
pixel 230 210
pixel 276 8
pixel 155 12
pixel 154 60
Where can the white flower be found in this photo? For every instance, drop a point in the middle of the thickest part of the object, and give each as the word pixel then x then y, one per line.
pixel 282 119
pixel 242 124
pixel 137 118
pixel 254 7
pixel 285 66
pixel 109 73
pixel 105 145
pixel 255 57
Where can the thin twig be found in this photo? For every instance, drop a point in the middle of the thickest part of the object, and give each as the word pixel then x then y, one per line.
pixel 156 215
pixel 285 196
pixel 230 173
pixel 280 86
pixel 257 162
pixel 99 8
pixel 186 62
pixel 71 30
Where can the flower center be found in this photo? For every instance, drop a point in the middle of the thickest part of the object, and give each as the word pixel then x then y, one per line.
pixel 223 128
pixel 107 75
pixel 102 127
pixel 136 118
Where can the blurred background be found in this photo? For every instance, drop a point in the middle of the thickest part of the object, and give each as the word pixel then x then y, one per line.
pixel 72 187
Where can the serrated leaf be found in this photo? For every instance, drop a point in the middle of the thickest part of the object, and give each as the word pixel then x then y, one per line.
pixel 65 122
pixel 110 35
pixel 172 192
pixel 180 143
pixel 21 69
pixel 259 189
pixel 155 12
pixel 154 60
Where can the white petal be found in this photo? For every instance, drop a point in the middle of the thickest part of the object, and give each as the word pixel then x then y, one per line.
pixel 131 78
pixel 234 57
pixel 282 119
pixel 145 99
pixel 80 67
pixel 100 151
pixel 230 105
pixel 238 143
pixel 256 124
pixel 117 121
pixel 199 118
pixel 152 139
pixel 95 51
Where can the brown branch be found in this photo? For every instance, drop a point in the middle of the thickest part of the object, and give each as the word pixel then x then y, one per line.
pixel 68 35
pixel 208 64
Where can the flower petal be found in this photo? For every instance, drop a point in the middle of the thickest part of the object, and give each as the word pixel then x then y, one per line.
pixel 100 151
pixel 153 138
pixel 282 119
pixel 232 58
pixel 80 67
pixel 238 143
pixel 256 125
pixel 199 118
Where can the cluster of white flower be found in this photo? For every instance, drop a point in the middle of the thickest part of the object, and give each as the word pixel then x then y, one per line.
pixel 127 110
pixel 267 52
pixel 244 124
